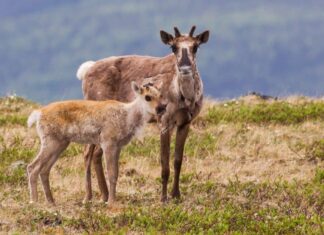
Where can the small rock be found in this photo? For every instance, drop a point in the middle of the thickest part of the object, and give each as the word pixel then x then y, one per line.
pixel 17 164
pixel 130 172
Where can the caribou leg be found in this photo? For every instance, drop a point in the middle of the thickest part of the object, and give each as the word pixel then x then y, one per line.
pixel 165 156
pixel 181 136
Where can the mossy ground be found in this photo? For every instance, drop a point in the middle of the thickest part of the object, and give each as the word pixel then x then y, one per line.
pixel 250 167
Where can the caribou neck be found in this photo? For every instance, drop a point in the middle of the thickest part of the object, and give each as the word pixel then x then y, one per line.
pixel 188 87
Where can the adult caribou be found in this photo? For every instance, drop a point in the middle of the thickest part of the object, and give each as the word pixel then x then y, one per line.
pixel 182 93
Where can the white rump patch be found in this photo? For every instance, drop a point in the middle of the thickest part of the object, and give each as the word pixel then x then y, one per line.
pixel 83 69
pixel 33 117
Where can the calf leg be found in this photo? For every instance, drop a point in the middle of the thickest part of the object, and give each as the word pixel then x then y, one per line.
pixel 94 153
pixel 58 148
pixel 87 160
pixel 97 162
pixel 181 136
pixel 165 156
pixel 45 156
pixel 33 170
pixel 112 155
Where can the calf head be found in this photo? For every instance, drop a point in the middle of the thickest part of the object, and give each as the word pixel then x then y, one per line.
pixel 150 95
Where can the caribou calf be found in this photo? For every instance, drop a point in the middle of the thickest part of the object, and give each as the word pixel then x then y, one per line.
pixel 111 124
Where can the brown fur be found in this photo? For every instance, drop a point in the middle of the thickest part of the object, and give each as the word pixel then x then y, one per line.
pixel 110 78
pixel 182 92
pixel 110 124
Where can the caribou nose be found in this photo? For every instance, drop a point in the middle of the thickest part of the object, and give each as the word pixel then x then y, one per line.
pixel 185 70
pixel 160 109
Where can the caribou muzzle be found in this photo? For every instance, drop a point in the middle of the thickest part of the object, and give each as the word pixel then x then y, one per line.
pixel 185 65
pixel 185 70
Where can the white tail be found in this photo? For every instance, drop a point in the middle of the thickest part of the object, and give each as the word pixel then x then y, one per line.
pixel 83 69
pixel 33 117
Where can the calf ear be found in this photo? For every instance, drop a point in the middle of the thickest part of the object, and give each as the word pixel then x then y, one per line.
pixel 203 37
pixel 136 88
pixel 166 37
pixel 159 85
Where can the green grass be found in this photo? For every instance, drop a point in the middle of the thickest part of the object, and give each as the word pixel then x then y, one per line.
pixel 319 178
pixel 13 153
pixel 17 151
pixel 207 205
pixel 73 150
pixel 280 112
pixel 201 144
pixel 149 148
pixel 198 144
pixel 316 150
pixel 218 210
pixel 13 120
pixel 237 208
pixel 14 103
pixel 12 109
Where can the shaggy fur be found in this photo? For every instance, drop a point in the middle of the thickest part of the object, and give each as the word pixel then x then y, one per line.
pixel 182 93
pixel 110 124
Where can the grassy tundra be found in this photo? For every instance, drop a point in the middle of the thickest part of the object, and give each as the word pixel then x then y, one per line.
pixel 251 166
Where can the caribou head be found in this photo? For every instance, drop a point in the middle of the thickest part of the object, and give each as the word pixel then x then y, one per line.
pixel 184 47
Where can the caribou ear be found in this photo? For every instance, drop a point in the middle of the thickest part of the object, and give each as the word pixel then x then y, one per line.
pixel 136 88
pixel 203 37
pixel 166 37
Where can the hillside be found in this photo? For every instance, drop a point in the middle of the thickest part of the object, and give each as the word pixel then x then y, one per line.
pixel 274 47
pixel 251 166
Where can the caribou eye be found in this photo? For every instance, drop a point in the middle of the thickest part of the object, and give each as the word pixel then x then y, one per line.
pixel 148 98
pixel 174 49
pixel 194 48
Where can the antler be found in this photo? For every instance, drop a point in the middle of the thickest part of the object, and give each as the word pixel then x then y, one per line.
pixel 177 32
pixel 192 31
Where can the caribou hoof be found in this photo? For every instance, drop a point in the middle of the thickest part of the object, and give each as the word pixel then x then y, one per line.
pixel 52 204
pixel 164 199
pixel 176 194
pixel 86 201
pixel 103 201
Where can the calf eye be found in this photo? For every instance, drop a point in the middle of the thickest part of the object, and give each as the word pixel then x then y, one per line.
pixel 174 49
pixel 148 98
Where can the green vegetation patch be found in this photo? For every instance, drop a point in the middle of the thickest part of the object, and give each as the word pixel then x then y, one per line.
pixel 150 147
pixel 201 145
pixel 13 110
pixel 280 112
pixel 14 104
pixel 73 150
pixel 316 150
pixel 14 159
pixel 13 120
pixel 211 208
pixel 319 179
